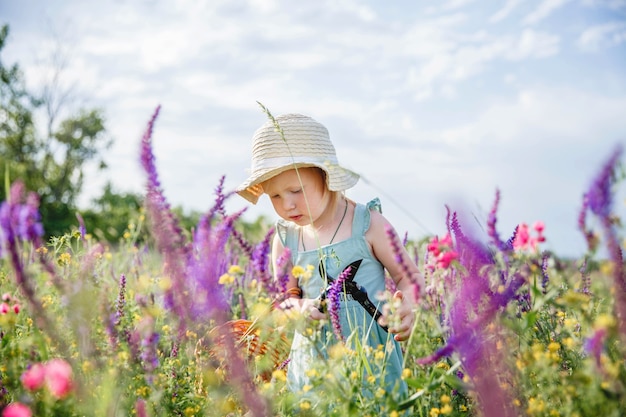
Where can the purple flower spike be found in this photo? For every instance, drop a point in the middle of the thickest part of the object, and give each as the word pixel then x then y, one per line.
pixel 399 251
pixel 599 199
pixel 599 195
pixel 595 345
pixel 283 274
pixel 260 261
pixel 544 273
pixel 492 219
pixel 81 226
pixel 334 298
pixel 168 235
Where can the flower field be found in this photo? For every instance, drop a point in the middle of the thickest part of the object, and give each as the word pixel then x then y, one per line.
pixel 183 323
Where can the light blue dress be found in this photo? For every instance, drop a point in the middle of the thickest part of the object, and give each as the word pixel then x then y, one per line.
pixel 370 275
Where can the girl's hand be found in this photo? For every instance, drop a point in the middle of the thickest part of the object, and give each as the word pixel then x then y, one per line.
pixel 307 307
pixel 310 309
pixel 399 316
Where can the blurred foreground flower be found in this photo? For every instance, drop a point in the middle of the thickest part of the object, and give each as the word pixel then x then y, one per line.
pixel 17 410
pixel 55 374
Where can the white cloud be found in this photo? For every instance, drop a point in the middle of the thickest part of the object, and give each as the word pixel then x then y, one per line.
pixel 505 11
pixel 533 44
pixel 545 9
pixel 602 36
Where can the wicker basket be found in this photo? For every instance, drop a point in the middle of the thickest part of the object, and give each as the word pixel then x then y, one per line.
pixel 256 344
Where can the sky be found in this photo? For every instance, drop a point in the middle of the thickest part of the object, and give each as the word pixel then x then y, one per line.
pixel 435 103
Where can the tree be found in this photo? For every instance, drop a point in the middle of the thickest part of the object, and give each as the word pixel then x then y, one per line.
pixel 50 164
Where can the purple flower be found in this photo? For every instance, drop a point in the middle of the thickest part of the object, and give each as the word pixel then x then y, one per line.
pixel 149 354
pixel 283 274
pixel 595 345
pixel 599 195
pixel 599 199
pixel 260 261
pixel 167 233
pixel 544 273
pixel 121 300
pixel 209 260
pixel 20 218
pixel 81 226
pixel 334 300
pixel 491 226
pixel 399 253
pixel 475 306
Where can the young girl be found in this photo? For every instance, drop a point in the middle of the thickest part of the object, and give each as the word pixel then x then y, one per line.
pixel 296 166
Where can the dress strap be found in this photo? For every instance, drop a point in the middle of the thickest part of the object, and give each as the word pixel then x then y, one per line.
pixel 287 235
pixel 362 216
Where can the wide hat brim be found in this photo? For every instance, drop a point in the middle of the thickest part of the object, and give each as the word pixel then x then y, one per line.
pixel 338 178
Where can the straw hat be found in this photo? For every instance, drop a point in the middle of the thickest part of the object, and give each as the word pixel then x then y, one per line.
pixel 306 143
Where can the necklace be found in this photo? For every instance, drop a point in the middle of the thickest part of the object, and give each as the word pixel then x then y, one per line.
pixel 345 210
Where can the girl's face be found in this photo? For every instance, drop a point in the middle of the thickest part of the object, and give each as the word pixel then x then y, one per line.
pixel 287 194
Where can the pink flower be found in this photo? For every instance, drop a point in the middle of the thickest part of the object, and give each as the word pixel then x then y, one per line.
pixel 523 239
pixel 4 308
pixel 58 377
pixel 6 297
pixel 433 246
pixel 16 308
pixel 17 410
pixel 34 377
pixel 443 260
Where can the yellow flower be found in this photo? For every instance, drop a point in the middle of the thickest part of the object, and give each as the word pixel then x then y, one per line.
pixel 380 392
pixel 306 388
pixel 87 366
pixel 570 323
pixel 604 321
pixel 297 271
pixel 226 279
pixel 445 399
pixel 554 347
pixel 446 409
pixel 305 405
pixel 434 412
pixel 311 373
pixel 337 351
pixel 371 379
pixel 235 270
pixel 443 365
pixel 64 259
pixel 569 342
pixel 279 375
pixel 535 406
pixel 406 373
pixel 394 413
